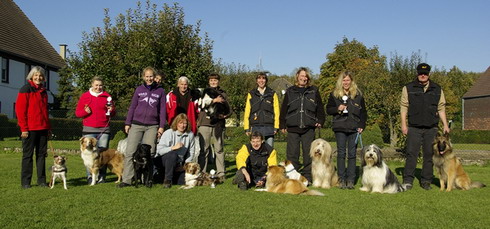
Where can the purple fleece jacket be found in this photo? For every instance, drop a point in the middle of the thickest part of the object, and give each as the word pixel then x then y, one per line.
pixel 147 106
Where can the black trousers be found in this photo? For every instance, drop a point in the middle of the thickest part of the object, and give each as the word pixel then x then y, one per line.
pixel 293 151
pixel 417 137
pixel 165 167
pixel 36 142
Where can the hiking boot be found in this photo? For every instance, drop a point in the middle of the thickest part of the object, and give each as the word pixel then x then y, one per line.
pixel 342 184
pixel 122 185
pixel 426 186
pixel 407 186
pixel 167 184
pixel 350 185
pixel 243 185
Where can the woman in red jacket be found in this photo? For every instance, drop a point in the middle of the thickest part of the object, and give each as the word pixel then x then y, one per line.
pixel 96 107
pixel 31 109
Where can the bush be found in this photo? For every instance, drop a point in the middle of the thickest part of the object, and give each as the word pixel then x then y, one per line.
pixel 235 138
pixel 8 128
pixel 470 136
pixel 372 135
pixel 120 135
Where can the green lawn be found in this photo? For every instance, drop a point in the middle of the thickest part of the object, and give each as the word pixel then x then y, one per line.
pixel 104 206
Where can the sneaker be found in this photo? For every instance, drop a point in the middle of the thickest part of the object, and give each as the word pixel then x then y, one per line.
pixel 43 185
pixel 425 186
pixel 407 186
pixel 26 186
pixel 342 184
pixel 350 185
pixel 167 184
pixel 122 185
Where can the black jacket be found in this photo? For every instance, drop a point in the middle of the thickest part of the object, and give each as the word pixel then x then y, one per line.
pixel 355 118
pixel 301 109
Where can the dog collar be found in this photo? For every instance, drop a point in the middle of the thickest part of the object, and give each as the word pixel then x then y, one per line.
pixel 290 170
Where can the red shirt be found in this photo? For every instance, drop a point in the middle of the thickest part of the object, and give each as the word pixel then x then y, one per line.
pixel 97 104
pixel 172 111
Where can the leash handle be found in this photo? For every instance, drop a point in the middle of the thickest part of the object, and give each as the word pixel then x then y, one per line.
pixel 359 139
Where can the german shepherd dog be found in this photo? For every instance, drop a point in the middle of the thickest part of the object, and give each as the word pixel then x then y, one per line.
pixel 449 167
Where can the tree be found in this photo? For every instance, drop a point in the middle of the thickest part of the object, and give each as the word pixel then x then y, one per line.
pixel 140 38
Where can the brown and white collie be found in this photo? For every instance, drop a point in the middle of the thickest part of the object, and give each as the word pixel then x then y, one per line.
pixel 93 160
pixel 277 182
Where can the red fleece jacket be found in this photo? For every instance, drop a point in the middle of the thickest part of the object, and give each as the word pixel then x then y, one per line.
pixel 31 108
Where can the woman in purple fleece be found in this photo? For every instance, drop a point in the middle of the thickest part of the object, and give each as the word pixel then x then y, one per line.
pixel 145 120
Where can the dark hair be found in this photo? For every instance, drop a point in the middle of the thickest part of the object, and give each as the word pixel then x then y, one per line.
pixel 214 76
pixel 256 134
pixel 261 74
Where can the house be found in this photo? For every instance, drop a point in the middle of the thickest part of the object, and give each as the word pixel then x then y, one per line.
pixel 476 103
pixel 22 46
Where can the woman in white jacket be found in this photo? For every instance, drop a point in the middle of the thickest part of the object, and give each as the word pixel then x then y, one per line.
pixel 174 149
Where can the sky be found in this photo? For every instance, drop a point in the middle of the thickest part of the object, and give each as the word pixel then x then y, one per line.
pixel 283 35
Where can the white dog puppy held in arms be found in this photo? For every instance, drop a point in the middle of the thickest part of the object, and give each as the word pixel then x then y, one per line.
pixel 376 176
pixel 58 170
pixel 322 168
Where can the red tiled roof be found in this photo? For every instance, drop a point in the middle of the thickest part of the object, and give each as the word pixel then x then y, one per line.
pixel 19 37
pixel 481 87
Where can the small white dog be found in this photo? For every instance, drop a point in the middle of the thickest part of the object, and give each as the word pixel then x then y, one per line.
pixel 291 173
pixel 58 170
pixel 322 168
pixel 376 176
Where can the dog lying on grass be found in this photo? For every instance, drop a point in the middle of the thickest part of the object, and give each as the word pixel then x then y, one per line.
pixel 277 182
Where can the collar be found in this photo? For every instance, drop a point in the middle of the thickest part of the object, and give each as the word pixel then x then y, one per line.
pixel 290 170
pixel 95 94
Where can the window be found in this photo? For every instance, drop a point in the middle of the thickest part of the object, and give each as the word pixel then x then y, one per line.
pixel 5 69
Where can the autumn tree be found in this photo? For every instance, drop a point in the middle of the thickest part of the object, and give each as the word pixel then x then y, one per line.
pixel 141 37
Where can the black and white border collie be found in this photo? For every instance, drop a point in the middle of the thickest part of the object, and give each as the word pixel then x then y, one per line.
pixel 376 176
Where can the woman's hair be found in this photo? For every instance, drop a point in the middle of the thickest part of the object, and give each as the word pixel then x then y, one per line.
pixel 263 75
pixel 148 69
pixel 214 76
pixel 96 78
pixel 179 118
pixel 34 70
pixel 339 90
pixel 307 76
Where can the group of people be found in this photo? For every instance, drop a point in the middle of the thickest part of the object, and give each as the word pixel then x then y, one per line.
pixel 300 114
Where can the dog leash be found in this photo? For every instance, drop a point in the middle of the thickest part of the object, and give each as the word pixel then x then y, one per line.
pixel 359 139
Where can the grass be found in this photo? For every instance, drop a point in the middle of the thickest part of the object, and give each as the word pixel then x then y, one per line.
pixel 82 206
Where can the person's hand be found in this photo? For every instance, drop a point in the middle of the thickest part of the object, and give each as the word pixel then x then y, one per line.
pixel 160 132
pixel 284 131
pixel 318 125
pixel 126 129
pixel 87 109
pixel 342 107
pixel 177 146
pixel 247 133
pixel 247 176
pixel 359 130
pixel 404 129
pixel 446 129
pixel 24 134
pixel 218 99
pixel 109 108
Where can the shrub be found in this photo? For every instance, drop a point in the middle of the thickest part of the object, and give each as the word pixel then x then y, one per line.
pixel 372 135
pixel 470 136
pixel 120 135
pixel 8 128
pixel 235 138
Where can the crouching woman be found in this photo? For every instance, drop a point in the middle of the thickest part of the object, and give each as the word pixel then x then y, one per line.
pixel 174 149
pixel 252 161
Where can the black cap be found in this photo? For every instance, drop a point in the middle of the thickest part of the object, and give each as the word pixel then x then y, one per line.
pixel 423 68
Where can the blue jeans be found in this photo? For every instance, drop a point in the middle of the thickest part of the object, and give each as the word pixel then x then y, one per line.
pixel 102 144
pixel 270 140
pixel 346 142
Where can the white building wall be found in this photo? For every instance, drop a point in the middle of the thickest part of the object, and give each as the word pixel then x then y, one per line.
pixel 8 91
pixel 17 79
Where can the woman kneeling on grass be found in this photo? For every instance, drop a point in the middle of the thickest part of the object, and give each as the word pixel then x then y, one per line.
pixel 174 149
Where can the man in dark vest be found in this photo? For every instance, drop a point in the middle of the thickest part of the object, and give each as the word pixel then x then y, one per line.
pixel 424 103
pixel 252 162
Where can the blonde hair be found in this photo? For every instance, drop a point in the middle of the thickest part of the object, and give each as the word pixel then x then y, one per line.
pixel 177 119
pixel 307 76
pixel 34 70
pixel 148 69
pixel 339 90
